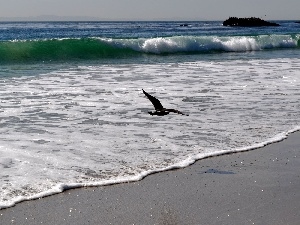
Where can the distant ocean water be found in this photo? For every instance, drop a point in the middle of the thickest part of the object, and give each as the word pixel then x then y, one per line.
pixel 72 112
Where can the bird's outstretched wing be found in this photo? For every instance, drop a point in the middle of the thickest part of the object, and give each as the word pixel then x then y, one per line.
pixel 156 103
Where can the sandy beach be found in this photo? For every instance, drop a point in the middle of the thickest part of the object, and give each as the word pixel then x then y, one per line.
pixel 255 187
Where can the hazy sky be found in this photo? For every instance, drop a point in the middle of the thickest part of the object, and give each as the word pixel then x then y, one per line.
pixel 153 9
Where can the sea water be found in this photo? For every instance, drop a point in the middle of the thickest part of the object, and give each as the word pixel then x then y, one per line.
pixel 72 111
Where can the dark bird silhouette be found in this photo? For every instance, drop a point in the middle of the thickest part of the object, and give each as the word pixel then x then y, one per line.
pixel 159 109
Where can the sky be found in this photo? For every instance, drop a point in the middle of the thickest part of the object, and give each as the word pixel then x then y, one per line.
pixel 149 9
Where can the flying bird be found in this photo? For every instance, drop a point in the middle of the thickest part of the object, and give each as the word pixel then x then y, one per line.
pixel 159 109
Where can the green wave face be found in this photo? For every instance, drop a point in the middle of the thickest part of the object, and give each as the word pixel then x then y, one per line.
pixel 56 49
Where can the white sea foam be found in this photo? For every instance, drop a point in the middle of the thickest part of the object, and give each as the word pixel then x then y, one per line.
pixel 88 125
pixel 162 45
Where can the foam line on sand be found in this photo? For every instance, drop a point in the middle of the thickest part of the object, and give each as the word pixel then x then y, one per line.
pixel 254 187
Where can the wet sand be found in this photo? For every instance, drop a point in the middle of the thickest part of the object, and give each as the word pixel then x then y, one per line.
pixel 261 186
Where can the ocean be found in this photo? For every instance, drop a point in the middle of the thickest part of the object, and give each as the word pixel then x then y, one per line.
pixel 73 113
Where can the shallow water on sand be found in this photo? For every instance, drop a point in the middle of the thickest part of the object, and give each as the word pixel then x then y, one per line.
pixel 87 124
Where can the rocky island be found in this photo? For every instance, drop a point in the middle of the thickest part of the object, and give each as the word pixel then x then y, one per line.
pixel 247 22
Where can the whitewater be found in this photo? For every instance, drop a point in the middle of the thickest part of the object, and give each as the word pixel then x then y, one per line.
pixel 73 114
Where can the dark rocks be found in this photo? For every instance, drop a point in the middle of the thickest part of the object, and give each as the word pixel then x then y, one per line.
pixel 184 25
pixel 247 22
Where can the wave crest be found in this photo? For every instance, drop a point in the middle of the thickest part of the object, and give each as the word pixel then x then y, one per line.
pixel 207 44
pixel 97 48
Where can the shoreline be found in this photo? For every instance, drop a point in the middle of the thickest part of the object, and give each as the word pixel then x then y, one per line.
pixel 259 186
pixel 60 188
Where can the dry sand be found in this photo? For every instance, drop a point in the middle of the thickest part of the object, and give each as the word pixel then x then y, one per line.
pixel 261 186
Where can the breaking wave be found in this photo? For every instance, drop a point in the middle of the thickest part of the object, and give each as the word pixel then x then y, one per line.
pixel 99 48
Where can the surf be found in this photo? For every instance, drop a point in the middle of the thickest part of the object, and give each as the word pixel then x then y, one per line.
pixel 69 49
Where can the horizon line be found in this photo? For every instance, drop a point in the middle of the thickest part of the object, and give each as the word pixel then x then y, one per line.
pixel 53 18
